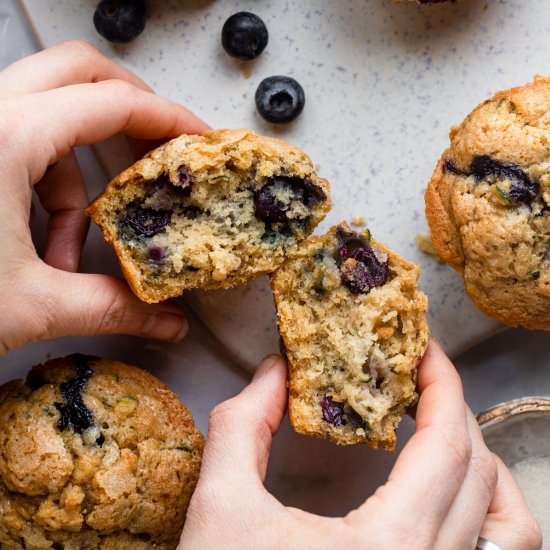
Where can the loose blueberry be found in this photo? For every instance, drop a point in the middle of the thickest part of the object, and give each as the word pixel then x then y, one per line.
pixel 147 222
pixel 244 36
pixel 280 99
pixel 185 181
pixel 360 268
pixel 120 20
pixel 73 412
pixel 522 188
pixel 333 412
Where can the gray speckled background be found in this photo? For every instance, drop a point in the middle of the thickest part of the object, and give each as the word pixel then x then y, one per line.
pixel 384 83
pixel 488 45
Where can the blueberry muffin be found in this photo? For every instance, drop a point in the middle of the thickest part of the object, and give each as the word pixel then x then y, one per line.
pixel 210 211
pixel 353 329
pixel 94 454
pixel 488 201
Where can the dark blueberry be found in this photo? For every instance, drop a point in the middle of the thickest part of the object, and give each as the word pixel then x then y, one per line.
pixel 185 181
pixel 271 210
pixel 333 412
pixel 314 193
pixel 280 99
pixel 355 418
pixel 156 254
pixel 267 207
pixel 120 20
pixel 34 380
pixel 146 222
pixel 450 166
pixel 73 412
pixel 244 36
pixel 360 268
pixel 339 414
pixel 522 188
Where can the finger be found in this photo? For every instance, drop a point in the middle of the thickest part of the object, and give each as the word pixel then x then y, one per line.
pixel 84 304
pixel 87 113
pixel 72 62
pixel 63 195
pixel 431 468
pixel 240 430
pixel 463 523
pixel 509 523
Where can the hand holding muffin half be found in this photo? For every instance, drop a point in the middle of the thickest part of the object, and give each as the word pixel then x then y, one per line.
pixel 96 454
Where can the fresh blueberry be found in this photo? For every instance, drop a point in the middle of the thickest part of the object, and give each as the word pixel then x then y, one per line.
pixel 280 99
pixel 244 35
pixel 360 268
pixel 146 222
pixel 120 20
pixel 522 187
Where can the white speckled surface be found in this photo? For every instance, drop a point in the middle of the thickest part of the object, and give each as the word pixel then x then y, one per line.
pixel 384 83
pixel 303 472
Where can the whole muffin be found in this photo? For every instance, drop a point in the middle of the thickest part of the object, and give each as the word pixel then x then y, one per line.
pixel 487 205
pixel 94 454
pixel 353 328
pixel 210 211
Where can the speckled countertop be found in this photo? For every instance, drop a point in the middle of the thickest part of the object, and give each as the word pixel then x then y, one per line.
pixel 384 82
pixel 388 145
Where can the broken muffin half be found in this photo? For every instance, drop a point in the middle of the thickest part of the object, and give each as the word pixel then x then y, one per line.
pixel 209 211
pixel 353 327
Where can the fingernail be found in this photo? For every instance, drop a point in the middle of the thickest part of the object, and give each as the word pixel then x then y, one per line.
pixel 168 326
pixel 266 365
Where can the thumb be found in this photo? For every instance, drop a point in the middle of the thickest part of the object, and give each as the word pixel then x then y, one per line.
pixel 89 304
pixel 240 430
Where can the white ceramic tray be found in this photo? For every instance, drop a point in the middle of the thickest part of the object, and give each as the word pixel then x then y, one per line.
pixel 384 83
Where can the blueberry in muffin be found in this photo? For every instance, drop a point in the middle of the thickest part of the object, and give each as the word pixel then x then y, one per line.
pixel 210 211
pixel 353 329
pixel 94 454
pixel 487 205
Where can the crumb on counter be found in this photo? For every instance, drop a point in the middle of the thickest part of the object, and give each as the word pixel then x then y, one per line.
pixel 358 221
pixel 424 242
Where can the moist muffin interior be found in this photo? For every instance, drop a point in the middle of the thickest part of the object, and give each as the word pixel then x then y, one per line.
pixel 211 216
pixel 353 351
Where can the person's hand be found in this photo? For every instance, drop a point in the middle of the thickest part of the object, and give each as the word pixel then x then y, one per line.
pixel 445 490
pixel 51 102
